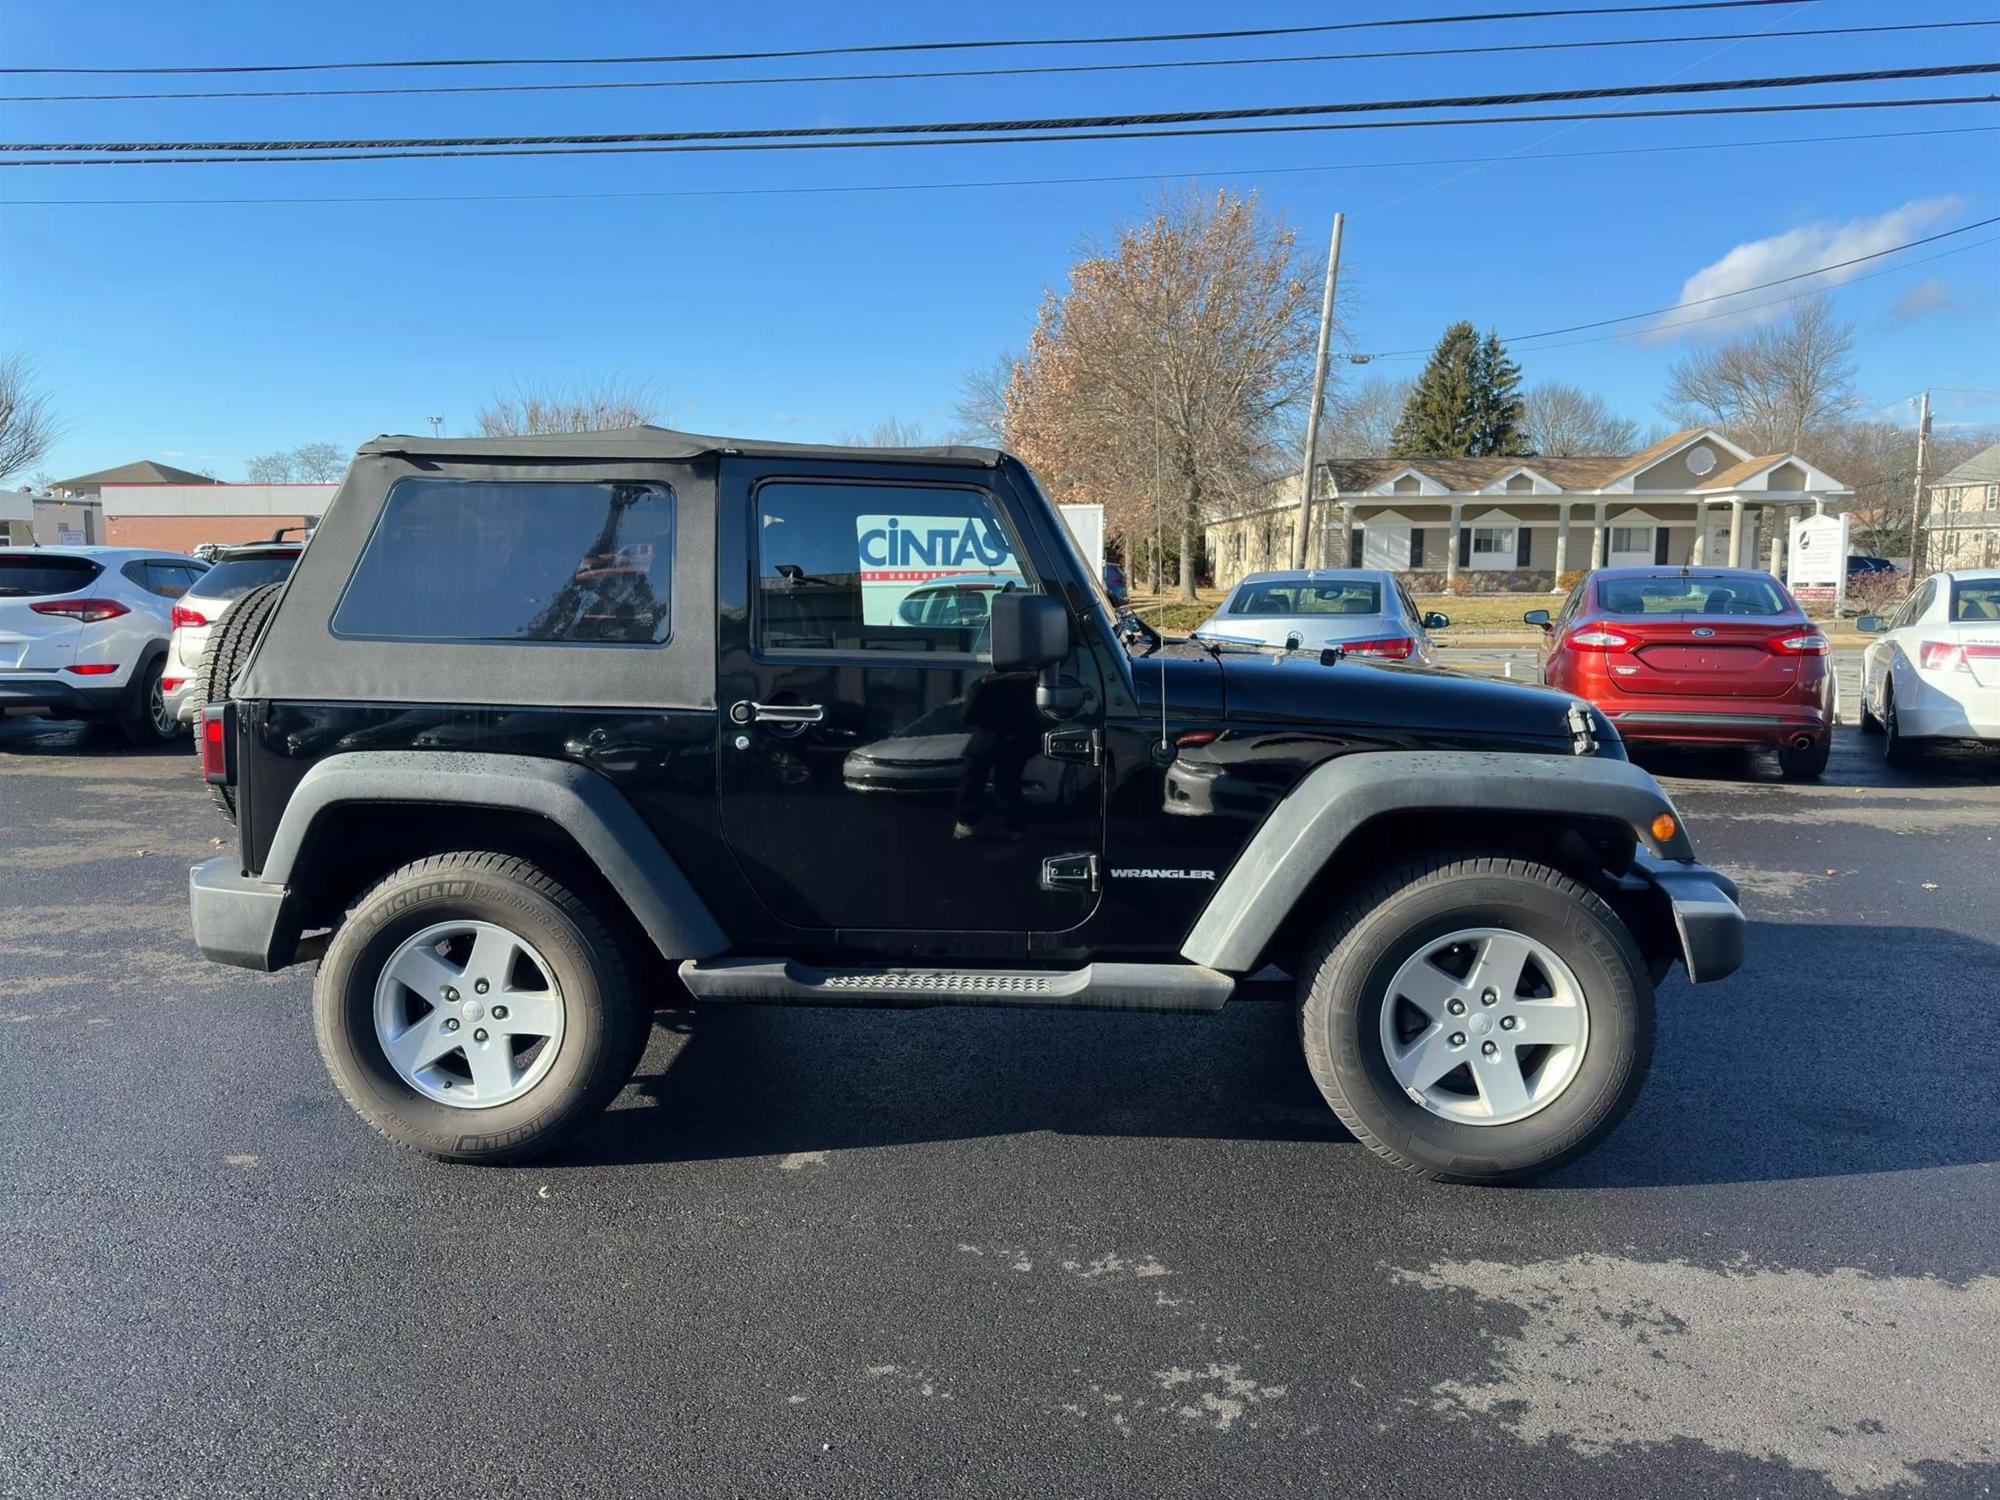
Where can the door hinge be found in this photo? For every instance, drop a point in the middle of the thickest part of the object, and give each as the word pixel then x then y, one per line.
pixel 1069 872
pixel 1084 746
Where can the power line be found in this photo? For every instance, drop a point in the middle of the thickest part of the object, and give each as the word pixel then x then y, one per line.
pixel 1741 291
pixel 1008 72
pixel 987 183
pixel 1047 123
pixel 1686 111
pixel 934 46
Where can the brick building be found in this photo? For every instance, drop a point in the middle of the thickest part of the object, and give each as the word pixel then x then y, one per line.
pixel 149 504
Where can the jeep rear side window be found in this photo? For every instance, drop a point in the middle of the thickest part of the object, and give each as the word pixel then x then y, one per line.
pixel 472 560
pixel 879 567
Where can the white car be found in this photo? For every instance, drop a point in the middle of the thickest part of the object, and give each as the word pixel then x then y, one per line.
pixel 84 630
pixel 1934 674
pixel 235 572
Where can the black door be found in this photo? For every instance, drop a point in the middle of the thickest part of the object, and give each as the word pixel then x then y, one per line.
pixel 877 776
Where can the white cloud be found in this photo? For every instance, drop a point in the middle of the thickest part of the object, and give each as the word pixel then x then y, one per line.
pixel 1934 295
pixel 1756 262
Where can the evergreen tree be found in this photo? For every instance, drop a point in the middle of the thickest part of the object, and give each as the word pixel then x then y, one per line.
pixel 1466 403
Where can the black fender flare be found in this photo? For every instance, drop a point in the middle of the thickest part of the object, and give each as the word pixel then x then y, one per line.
pixel 577 800
pixel 1306 830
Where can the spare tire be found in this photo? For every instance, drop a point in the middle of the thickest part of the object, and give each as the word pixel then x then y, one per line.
pixel 228 648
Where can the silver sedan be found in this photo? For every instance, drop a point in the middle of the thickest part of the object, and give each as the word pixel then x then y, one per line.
pixel 1364 611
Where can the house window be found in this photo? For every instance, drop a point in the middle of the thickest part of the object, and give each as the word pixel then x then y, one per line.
pixel 1632 539
pixel 1497 541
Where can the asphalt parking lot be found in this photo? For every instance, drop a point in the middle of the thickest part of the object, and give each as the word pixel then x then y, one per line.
pixel 862 1253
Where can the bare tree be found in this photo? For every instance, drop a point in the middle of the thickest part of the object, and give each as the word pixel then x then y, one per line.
pixel 893 432
pixel 982 401
pixel 28 425
pixel 318 463
pixel 595 405
pixel 1770 388
pixel 1565 421
pixel 1358 425
pixel 1179 350
pixel 272 468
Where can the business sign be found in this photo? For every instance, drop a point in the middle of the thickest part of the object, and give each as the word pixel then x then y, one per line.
pixel 1816 558
pixel 901 555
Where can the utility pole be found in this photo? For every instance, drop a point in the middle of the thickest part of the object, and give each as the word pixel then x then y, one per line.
pixel 1302 527
pixel 1917 494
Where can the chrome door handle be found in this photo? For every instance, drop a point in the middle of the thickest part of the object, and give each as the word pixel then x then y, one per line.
pixel 747 712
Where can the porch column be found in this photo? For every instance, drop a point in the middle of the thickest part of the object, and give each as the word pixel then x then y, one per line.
pixel 1778 551
pixel 1698 548
pixel 1562 541
pixel 1597 535
pixel 1451 547
pixel 1736 533
pixel 1343 554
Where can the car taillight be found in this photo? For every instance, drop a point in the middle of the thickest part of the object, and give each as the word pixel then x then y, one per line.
pixel 184 616
pixel 214 735
pixel 1806 643
pixel 1594 635
pixel 1943 656
pixel 93 668
pixel 171 684
pixel 1394 647
pixel 87 610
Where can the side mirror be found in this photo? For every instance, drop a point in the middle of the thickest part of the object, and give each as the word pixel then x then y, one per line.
pixel 1536 617
pixel 1869 624
pixel 1030 632
pixel 1436 620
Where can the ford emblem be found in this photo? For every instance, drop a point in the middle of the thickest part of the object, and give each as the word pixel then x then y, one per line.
pixel 1703 630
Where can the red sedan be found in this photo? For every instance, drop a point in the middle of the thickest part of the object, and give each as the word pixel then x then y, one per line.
pixel 1701 656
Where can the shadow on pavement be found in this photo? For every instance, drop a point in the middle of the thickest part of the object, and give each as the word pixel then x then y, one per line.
pixel 1832 1053
pixel 26 734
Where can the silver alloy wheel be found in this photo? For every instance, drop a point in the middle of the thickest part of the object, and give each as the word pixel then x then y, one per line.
pixel 468 1014
pixel 165 723
pixel 1484 1026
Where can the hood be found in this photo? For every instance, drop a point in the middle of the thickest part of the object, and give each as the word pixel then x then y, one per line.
pixel 1395 703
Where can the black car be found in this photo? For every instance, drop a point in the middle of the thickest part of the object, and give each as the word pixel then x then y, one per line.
pixel 1859 565
pixel 1115 587
pixel 544 732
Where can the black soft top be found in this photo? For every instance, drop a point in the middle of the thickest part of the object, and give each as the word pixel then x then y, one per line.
pixel 659 444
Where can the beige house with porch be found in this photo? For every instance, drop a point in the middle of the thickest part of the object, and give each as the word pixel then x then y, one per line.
pixel 1521 523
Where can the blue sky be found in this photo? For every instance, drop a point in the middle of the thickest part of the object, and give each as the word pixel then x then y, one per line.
pixel 204 333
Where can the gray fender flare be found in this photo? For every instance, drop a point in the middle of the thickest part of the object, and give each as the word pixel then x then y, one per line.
pixel 577 800
pixel 1306 829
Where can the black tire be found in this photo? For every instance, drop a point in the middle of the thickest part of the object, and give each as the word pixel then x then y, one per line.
pixel 1344 981
pixel 142 720
pixel 1898 749
pixel 1808 764
pixel 228 648
pixel 604 1031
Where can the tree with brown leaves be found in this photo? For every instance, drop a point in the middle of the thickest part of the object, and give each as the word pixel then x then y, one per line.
pixel 1178 349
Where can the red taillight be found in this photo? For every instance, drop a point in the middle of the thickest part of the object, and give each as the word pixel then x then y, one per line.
pixel 87 610
pixel 214 747
pixel 94 668
pixel 1394 647
pixel 171 684
pixel 1944 656
pixel 1805 643
pixel 1595 635
pixel 185 616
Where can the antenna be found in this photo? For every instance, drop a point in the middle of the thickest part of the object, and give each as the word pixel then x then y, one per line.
pixel 1165 750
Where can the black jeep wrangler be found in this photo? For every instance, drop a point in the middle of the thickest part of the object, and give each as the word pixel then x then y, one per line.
pixel 544 732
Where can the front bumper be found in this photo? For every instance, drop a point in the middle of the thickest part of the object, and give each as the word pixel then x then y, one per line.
pixel 1707 917
pixel 240 920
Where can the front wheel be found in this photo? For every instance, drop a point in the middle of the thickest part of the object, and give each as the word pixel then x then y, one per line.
pixel 1898 749
pixel 1477 1020
pixel 474 1009
pixel 147 720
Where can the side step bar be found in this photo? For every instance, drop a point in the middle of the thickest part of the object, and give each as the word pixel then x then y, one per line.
pixel 779 981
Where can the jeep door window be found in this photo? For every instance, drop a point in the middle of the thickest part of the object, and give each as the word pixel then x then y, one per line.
pixel 881 567
pixel 545 560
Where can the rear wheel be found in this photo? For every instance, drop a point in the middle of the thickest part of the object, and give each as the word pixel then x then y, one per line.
pixel 473 1008
pixel 1477 1020
pixel 148 720
pixel 1897 748
pixel 229 644
pixel 1806 764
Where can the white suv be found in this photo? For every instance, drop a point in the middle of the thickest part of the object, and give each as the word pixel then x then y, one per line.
pixel 1934 672
pixel 235 572
pixel 83 633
